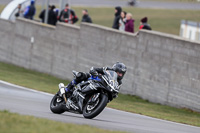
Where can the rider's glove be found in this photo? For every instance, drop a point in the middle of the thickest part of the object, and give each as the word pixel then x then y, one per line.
pixel 116 95
pixel 93 72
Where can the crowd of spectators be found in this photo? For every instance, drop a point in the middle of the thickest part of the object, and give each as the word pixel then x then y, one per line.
pixel 28 12
pixel 67 15
pixel 123 21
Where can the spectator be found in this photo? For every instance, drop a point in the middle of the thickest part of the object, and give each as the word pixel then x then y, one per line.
pixel 122 21
pixel 67 15
pixel 86 17
pixel 52 18
pixel 117 17
pixel 129 26
pixel 42 14
pixel 56 10
pixel 144 24
pixel 30 10
pixel 19 11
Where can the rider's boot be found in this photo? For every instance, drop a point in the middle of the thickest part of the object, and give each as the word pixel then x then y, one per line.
pixel 70 86
pixel 67 91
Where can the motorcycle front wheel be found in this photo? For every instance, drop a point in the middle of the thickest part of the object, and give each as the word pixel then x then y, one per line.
pixel 94 108
pixel 56 105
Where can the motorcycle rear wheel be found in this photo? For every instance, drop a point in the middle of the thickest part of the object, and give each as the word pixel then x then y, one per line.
pixel 91 111
pixel 56 105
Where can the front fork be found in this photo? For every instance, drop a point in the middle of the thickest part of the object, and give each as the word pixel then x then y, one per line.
pixel 94 98
pixel 62 91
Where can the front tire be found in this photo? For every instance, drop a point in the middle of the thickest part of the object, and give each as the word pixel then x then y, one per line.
pixel 56 105
pixel 91 112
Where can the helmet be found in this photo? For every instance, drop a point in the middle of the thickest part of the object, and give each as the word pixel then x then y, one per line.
pixel 119 68
pixel 32 2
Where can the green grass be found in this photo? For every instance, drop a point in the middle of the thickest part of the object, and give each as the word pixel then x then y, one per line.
pixel 31 79
pixel 47 83
pixel 137 105
pixel 1 7
pixel 15 123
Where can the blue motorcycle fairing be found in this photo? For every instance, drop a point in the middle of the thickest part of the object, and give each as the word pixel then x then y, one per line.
pixel 94 78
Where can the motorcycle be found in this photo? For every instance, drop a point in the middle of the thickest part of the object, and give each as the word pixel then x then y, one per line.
pixel 88 97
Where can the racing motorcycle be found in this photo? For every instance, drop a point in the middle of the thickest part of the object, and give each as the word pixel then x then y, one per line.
pixel 88 97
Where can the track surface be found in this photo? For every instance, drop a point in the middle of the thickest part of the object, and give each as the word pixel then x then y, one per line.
pixel 112 3
pixel 30 102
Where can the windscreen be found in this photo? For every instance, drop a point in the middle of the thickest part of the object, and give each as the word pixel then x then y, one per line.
pixel 112 75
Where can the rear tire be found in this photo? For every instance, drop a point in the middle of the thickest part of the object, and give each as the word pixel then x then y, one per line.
pixel 103 100
pixel 55 106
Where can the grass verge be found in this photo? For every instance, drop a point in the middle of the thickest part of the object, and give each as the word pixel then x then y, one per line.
pixel 15 123
pixel 47 83
pixel 31 79
pixel 137 105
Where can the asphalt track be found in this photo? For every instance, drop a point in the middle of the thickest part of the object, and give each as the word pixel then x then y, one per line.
pixel 30 102
pixel 112 3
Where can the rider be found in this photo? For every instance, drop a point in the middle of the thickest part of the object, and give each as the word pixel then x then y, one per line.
pixel 118 67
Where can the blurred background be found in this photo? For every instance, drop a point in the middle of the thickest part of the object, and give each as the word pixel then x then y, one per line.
pixel 163 15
